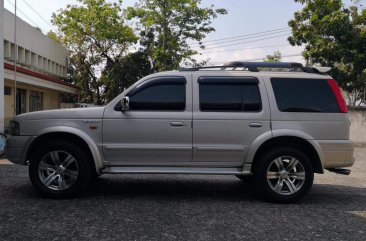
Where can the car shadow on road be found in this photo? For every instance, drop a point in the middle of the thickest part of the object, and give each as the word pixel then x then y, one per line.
pixel 186 188
pixel 187 206
pixel 212 187
pixel 171 187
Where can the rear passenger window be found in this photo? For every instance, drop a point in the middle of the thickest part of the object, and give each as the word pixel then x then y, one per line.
pixel 229 94
pixel 304 95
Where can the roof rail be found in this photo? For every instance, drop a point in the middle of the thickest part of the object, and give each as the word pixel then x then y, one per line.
pixel 221 67
pixel 253 66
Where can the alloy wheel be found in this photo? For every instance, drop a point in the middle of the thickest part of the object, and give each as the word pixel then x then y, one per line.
pixel 58 170
pixel 286 175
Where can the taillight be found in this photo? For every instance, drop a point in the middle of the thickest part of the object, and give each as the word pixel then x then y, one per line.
pixel 337 92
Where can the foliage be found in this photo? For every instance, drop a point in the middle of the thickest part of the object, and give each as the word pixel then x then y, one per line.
pixel 166 26
pixel 53 35
pixel 97 36
pixel 275 57
pixel 124 72
pixel 334 35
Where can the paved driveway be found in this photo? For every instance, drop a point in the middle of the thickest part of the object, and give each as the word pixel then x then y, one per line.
pixel 178 207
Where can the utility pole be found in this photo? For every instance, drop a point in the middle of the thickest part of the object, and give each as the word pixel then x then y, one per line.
pixel 2 106
pixel 15 58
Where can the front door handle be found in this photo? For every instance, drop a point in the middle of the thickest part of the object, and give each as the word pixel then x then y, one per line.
pixel 176 123
pixel 255 124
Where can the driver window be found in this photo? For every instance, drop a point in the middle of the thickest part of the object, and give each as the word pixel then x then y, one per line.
pixel 159 94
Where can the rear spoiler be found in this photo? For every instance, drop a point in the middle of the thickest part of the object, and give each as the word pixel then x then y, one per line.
pixel 322 70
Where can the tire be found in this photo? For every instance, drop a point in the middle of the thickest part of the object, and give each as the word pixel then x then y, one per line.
pixel 284 175
pixel 60 169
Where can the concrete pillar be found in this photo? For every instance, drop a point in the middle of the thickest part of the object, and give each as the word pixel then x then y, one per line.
pixel 2 105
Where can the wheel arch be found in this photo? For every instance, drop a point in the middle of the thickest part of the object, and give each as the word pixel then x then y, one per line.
pixel 70 134
pixel 291 141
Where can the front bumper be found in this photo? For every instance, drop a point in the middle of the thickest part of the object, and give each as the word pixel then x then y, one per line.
pixel 16 148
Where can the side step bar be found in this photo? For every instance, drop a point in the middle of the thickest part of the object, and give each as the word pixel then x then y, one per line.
pixel 340 171
pixel 175 170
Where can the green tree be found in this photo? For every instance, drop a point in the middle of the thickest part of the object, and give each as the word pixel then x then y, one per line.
pixel 166 26
pixel 334 35
pixel 97 36
pixel 53 35
pixel 275 57
pixel 124 72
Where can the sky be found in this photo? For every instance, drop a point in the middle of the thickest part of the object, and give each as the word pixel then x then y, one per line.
pixel 262 25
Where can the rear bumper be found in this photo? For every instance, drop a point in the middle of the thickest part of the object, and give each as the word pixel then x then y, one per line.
pixel 16 148
pixel 337 153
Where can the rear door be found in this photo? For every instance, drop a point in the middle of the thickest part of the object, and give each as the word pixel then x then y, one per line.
pixel 229 113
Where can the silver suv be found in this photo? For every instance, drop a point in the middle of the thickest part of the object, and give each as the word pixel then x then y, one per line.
pixel 273 128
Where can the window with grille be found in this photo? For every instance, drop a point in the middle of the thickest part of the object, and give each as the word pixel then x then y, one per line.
pixel 35 101
pixel 7 90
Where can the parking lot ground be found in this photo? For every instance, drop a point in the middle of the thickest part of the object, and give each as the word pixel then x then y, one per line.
pixel 183 207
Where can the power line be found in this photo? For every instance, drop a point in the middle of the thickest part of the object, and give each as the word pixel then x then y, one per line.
pixel 243 49
pixel 239 36
pixel 250 37
pixel 255 40
pixel 24 15
pixel 39 15
pixel 44 7
pixel 283 56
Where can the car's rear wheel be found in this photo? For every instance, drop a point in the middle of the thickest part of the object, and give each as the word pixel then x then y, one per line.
pixel 284 175
pixel 59 169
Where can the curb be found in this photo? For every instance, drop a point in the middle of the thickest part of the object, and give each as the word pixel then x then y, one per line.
pixel 359 144
pixel 5 162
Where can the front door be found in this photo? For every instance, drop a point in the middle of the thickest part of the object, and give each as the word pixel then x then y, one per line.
pixel 156 129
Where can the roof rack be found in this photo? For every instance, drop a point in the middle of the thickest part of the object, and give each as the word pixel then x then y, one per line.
pixel 253 67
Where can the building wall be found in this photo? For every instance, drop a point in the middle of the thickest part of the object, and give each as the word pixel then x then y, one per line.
pixel 35 50
pixel 31 39
pixel 41 66
pixel 358 126
pixel 51 98
pixel 2 100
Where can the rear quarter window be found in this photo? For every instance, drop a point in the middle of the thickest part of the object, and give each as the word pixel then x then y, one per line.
pixel 304 95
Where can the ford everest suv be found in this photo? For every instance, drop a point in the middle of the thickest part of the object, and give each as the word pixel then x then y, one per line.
pixel 279 127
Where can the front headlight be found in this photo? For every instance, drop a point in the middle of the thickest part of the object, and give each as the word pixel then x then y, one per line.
pixel 14 128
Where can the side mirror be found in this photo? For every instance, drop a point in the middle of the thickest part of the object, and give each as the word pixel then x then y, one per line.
pixel 125 103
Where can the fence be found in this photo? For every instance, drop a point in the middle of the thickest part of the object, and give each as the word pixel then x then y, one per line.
pixel 358 126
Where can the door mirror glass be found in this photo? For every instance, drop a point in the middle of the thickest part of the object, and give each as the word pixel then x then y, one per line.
pixel 125 103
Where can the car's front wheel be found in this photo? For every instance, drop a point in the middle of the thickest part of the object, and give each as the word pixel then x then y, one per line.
pixel 284 175
pixel 59 169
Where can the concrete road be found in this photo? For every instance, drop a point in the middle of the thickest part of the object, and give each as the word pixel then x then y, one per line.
pixel 178 207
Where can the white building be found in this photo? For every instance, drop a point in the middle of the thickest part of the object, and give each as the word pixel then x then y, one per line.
pixel 41 68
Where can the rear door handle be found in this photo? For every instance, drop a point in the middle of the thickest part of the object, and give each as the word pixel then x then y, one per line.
pixel 176 123
pixel 255 124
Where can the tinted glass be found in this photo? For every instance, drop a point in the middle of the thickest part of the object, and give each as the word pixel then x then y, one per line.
pixel 304 95
pixel 234 96
pixel 160 94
